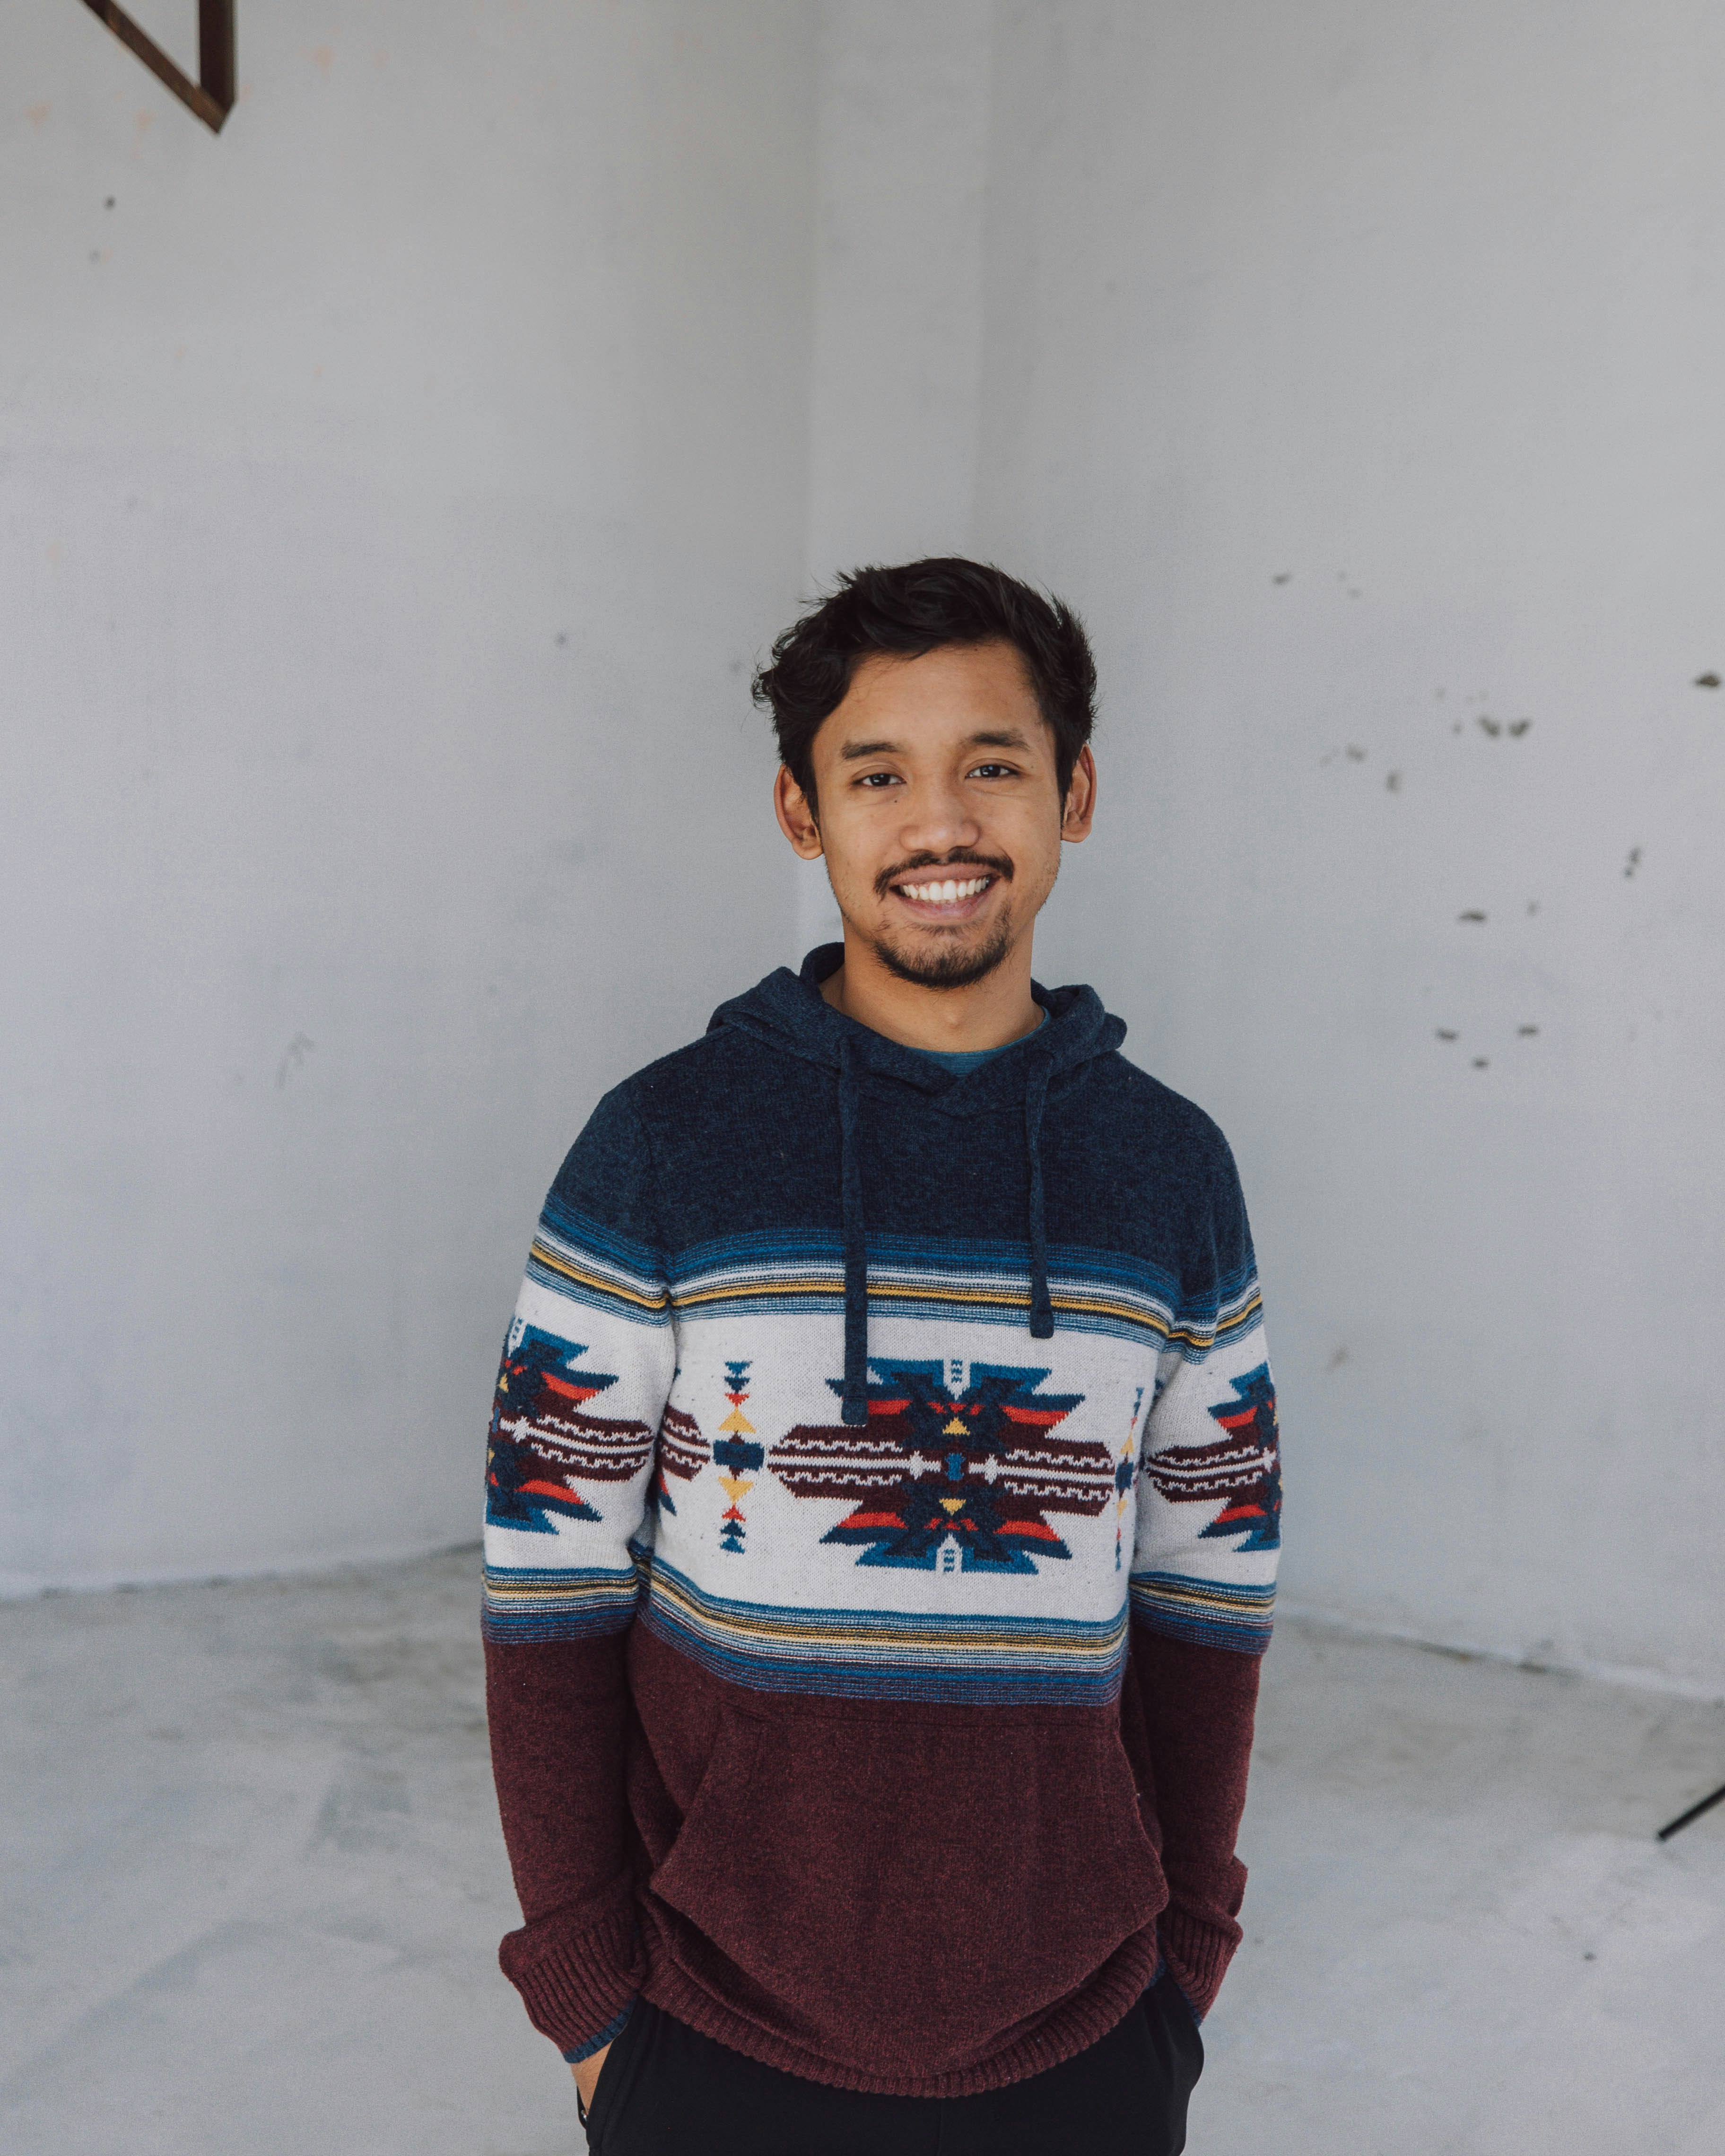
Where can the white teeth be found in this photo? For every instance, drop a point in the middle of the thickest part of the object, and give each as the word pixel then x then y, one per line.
pixel 944 894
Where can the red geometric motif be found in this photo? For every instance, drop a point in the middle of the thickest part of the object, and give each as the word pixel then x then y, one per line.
pixel 543 1437
pixel 947 1478
pixel 1244 1468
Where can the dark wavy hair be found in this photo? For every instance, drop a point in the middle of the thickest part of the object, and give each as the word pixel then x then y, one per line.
pixel 919 607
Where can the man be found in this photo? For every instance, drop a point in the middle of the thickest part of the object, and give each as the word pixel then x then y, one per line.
pixel 883 1487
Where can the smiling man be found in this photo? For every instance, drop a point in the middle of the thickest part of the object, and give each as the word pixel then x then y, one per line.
pixel 883 1489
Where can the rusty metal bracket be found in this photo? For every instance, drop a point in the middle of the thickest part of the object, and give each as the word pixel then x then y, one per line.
pixel 211 97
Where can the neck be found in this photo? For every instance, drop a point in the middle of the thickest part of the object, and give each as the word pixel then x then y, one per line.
pixel 989 1014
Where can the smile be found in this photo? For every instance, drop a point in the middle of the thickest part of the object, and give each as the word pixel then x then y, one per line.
pixel 947 898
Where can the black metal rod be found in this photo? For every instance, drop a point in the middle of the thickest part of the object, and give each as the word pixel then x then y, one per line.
pixel 1694 1812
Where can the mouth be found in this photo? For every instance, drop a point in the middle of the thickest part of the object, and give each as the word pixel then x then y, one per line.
pixel 926 894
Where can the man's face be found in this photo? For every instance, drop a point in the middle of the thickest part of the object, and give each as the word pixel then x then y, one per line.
pixel 939 813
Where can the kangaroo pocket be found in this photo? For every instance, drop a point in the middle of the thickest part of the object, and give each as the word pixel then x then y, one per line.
pixel 899 1890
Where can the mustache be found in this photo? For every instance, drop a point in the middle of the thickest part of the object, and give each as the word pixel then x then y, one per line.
pixel 996 863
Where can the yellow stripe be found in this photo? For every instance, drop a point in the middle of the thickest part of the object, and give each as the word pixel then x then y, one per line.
pixel 889 1291
pixel 1259 1598
pixel 596 1280
pixel 829 1284
pixel 624 1590
pixel 899 1635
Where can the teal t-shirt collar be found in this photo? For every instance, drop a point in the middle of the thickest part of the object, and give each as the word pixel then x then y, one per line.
pixel 967 1058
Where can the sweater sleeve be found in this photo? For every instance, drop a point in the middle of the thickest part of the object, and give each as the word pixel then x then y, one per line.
pixel 586 1371
pixel 1203 1581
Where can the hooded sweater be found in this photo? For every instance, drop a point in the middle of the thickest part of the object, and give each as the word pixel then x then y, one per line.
pixel 882 1506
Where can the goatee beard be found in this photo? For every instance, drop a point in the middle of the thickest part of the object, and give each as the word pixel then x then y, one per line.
pixel 948 969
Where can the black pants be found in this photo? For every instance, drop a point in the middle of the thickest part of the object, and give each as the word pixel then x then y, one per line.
pixel 665 2090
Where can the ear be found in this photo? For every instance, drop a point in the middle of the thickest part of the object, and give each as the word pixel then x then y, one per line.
pixel 796 816
pixel 1081 809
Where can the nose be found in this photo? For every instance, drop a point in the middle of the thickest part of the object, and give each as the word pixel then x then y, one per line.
pixel 938 819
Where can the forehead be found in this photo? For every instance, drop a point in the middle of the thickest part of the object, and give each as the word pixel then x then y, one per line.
pixel 943 697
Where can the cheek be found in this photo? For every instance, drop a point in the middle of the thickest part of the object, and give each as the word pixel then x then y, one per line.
pixel 1034 848
pixel 851 852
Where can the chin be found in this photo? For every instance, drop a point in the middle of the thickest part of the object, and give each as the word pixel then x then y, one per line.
pixel 940 964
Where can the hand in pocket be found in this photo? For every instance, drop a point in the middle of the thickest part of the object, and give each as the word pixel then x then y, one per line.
pixel 587 2074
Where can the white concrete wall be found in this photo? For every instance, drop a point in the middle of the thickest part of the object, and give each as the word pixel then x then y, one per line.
pixel 1354 370
pixel 902 135
pixel 395 493
pixel 1358 372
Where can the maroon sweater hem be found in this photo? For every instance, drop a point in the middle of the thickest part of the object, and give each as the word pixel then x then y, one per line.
pixel 762 1900
pixel 1068 2027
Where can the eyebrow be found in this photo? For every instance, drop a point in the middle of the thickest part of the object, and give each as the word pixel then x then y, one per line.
pixel 991 737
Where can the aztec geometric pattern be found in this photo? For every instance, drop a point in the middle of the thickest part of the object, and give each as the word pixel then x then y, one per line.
pixel 1245 1467
pixel 681 1451
pixel 542 1435
pixel 738 1458
pixel 965 1533
pixel 1253 1422
pixel 954 1477
pixel 1182 1583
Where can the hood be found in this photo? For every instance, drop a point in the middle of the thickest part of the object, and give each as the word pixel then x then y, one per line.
pixel 788 1012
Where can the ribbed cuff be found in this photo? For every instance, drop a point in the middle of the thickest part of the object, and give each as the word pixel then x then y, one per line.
pixel 608 2034
pixel 1198 1955
pixel 575 1978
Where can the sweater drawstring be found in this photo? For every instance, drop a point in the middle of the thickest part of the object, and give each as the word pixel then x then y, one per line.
pixel 1041 1303
pixel 855 1406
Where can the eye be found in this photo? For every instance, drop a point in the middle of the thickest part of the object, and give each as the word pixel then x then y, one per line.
pixel 877 779
pixel 994 771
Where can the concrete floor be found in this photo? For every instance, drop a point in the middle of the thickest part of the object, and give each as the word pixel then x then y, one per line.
pixel 253 1885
